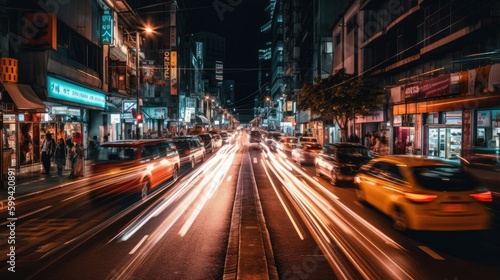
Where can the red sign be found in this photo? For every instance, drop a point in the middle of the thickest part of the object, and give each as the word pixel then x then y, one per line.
pixel 435 87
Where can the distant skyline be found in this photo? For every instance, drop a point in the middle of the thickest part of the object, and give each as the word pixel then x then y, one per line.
pixel 240 26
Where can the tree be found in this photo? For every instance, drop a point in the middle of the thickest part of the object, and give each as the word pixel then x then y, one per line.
pixel 341 96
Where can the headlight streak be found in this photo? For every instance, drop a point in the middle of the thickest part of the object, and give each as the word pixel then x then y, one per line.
pixel 180 210
pixel 179 193
pixel 320 216
pixel 297 229
pixel 214 180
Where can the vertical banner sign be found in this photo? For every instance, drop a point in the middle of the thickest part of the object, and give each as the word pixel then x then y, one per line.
pixel 166 66
pixel 107 28
pixel 173 73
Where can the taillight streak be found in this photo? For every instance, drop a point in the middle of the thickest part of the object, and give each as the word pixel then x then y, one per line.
pixel 420 197
pixel 483 196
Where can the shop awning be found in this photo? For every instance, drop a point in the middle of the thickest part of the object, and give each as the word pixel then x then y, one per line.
pixel 25 98
pixel 202 118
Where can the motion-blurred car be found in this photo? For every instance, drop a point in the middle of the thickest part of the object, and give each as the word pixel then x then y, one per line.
pixel 191 150
pixel 306 153
pixel 134 166
pixel 341 161
pixel 217 140
pixel 225 137
pixel 255 137
pixel 287 143
pixel 272 136
pixel 207 141
pixel 424 194
pixel 308 139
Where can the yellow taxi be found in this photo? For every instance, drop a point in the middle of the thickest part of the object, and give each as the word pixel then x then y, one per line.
pixel 420 193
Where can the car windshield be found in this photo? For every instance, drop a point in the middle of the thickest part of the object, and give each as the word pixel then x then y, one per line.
pixel 444 178
pixel 116 154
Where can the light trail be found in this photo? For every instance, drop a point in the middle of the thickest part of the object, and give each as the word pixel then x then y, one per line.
pixel 369 250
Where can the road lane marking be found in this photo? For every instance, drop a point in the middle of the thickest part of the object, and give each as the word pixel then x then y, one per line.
pixel 431 253
pixel 359 204
pixel 138 244
pixel 254 160
pixel 29 214
pixel 229 178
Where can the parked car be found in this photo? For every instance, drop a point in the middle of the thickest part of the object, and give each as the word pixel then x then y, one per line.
pixel 341 161
pixel 420 193
pixel 134 166
pixel 255 137
pixel 306 153
pixel 190 148
pixel 287 143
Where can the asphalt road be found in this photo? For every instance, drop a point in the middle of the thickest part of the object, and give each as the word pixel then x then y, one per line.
pixel 194 229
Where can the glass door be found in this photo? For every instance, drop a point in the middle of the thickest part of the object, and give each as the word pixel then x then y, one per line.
pixel 433 148
pixel 455 142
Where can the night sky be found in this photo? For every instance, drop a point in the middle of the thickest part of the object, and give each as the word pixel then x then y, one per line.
pixel 240 25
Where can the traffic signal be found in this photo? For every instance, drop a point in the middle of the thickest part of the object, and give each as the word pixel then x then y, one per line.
pixel 139 118
pixel 294 124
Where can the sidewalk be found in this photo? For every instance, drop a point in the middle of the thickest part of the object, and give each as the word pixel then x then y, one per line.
pixel 41 182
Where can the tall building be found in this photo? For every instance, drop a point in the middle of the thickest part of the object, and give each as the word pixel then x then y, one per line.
pixel 307 53
pixel 438 62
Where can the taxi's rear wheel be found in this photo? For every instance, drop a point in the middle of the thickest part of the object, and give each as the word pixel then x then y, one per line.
pixel 144 188
pixel 360 194
pixel 400 220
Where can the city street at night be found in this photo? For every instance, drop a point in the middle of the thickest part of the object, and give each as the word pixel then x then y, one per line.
pixel 244 212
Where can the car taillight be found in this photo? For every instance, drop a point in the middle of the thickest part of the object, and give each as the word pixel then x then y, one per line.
pixel 483 196
pixel 187 151
pixel 420 197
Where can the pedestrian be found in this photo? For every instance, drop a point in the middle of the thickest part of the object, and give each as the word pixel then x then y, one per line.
pixel 70 147
pixel 60 156
pixel 78 167
pixel 48 148
pixel 367 140
pixel 381 146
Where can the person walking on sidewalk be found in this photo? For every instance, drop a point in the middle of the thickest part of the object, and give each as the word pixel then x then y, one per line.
pixel 60 156
pixel 48 148
pixel 78 167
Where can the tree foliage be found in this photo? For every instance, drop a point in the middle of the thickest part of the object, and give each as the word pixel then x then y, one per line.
pixel 340 96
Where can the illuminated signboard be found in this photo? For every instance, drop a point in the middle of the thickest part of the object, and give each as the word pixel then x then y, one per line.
pixel 107 28
pixel 166 65
pixel 62 90
pixel 173 73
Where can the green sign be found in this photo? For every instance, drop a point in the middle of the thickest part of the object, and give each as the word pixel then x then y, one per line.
pixel 107 28
pixel 63 90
